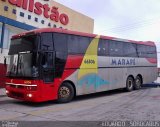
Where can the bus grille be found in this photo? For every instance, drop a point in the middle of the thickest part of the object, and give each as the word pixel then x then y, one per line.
pixel 15 94
pixel 16 86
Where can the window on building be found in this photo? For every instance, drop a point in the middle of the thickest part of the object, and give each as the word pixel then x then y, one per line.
pixel 14 11
pixel 21 14
pixel 49 24
pixel 29 16
pixel 42 21
pixel 8 33
pixel 36 19
pixel 5 8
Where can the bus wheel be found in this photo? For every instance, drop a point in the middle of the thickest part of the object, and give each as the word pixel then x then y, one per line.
pixel 65 93
pixel 138 83
pixel 129 84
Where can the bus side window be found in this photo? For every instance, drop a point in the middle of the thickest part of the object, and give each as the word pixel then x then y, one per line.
pixel 116 48
pixel 47 41
pixel 129 50
pixel 60 42
pixel 83 44
pixel 151 51
pixel 141 49
pixel 103 48
pixel 78 44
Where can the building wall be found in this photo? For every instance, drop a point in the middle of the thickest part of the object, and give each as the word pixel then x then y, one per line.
pixel 77 21
pixel 7 13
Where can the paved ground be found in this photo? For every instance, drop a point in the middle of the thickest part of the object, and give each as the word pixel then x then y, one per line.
pixel 112 105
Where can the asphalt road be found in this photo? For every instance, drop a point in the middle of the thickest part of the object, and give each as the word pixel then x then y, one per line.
pixel 143 104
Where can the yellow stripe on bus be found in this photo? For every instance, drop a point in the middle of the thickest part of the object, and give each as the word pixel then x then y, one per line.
pixel 89 64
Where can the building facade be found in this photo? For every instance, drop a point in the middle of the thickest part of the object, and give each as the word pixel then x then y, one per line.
pixel 17 16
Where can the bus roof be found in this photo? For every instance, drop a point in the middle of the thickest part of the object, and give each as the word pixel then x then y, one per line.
pixel 59 30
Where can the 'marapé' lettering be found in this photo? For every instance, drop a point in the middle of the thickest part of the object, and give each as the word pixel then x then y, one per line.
pixel 124 62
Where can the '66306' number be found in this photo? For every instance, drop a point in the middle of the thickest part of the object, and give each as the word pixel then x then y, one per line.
pixel 89 61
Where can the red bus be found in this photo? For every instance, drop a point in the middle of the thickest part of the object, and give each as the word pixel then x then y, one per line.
pixel 55 64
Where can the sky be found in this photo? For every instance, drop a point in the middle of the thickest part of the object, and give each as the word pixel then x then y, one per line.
pixel 128 19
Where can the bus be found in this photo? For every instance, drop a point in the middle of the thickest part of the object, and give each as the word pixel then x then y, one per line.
pixel 56 64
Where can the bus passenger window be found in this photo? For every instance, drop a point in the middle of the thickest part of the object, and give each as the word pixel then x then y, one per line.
pixel 129 50
pixel 103 47
pixel 60 42
pixel 47 41
pixel 78 44
pixel 116 48
pixel 146 51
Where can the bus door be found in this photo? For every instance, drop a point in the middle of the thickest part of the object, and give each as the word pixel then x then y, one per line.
pixel 47 72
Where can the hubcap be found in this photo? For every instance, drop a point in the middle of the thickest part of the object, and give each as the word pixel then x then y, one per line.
pixel 64 92
pixel 130 84
pixel 138 82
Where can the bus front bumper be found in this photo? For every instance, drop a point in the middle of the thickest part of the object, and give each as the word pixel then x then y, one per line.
pixel 31 96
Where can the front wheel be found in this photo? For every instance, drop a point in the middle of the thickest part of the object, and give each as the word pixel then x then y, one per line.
pixel 129 84
pixel 138 83
pixel 65 93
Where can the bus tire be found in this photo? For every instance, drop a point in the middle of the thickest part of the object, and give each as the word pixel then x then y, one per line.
pixel 129 84
pixel 138 83
pixel 65 93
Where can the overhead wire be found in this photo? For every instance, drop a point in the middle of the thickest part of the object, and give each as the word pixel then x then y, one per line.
pixel 134 25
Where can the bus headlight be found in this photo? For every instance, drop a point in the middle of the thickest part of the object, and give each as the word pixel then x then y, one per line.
pixel 29 95
pixel 7 92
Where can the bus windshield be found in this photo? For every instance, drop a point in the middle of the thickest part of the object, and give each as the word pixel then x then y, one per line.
pixel 22 60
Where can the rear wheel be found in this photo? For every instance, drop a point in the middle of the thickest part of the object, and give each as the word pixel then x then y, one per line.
pixel 129 84
pixel 65 93
pixel 138 83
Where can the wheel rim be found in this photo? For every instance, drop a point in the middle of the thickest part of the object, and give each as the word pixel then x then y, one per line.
pixel 64 92
pixel 130 84
pixel 138 82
